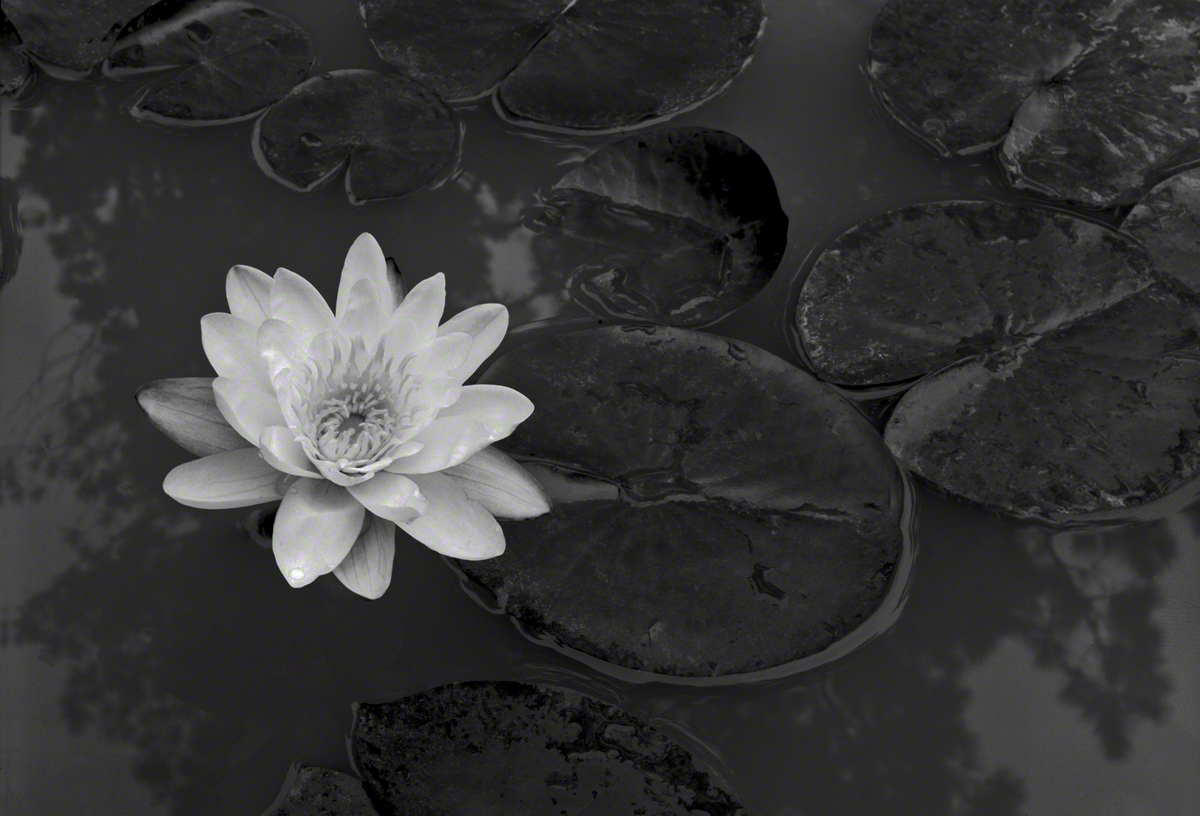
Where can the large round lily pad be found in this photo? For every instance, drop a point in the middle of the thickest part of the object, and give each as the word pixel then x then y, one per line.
pixel 1064 371
pixel 75 35
pixel 393 135
pixel 237 59
pixel 512 749
pixel 577 64
pixel 717 511
pixel 1167 222
pixel 14 60
pixel 677 226
pixel 1089 98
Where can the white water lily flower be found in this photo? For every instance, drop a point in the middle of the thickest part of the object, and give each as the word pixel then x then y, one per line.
pixel 359 419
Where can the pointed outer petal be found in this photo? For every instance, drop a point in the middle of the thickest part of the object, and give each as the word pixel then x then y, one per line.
pixel 246 408
pixel 296 301
pixel 185 409
pixel 231 346
pixel 564 486
pixel 395 281
pixel 363 316
pixel 441 355
pixel 448 442
pixel 249 293
pixel 424 306
pixel 281 451
pixel 503 487
pixel 237 478
pixel 400 336
pixel 395 498
pixel 279 347
pixel 365 261
pixel 453 524
pixel 367 569
pixel 315 528
pixel 496 407
pixel 486 323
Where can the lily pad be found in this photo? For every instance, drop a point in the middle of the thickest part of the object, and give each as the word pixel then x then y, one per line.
pixel 313 791
pixel 1167 222
pixel 1064 372
pixel 393 135
pixel 677 226
pixel 237 59
pixel 717 510
pixel 1088 98
pixel 14 60
pixel 505 748
pixel 575 64
pixel 77 35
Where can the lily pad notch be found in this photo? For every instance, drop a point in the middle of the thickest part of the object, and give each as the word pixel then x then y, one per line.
pixel 717 512
pixel 570 65
pixel 678 226
pixel 392 135
pixel 1059 370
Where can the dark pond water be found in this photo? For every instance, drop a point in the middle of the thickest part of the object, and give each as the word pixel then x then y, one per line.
pixel 154 661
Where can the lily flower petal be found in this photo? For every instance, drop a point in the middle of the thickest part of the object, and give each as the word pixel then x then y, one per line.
pixel 278 344
pixel 248 291
pixel 248 409
pixel 315 528
pixel 230 344
pixel 424 306
pixel 446 443
pixel 363 316
pixel 297 302
pixel 185 409
pixel 365 261
pixel 496 407
pixel 391 496
pixel 486 323
pixel 440 355
pixel 237 478
pixel 281 451
pixel 367 569
pixel 454 525
pixel 503 487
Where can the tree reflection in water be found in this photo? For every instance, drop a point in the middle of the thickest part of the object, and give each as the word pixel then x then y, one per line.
pixel 182 643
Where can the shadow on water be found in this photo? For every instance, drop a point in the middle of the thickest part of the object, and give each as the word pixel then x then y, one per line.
pixel 180 642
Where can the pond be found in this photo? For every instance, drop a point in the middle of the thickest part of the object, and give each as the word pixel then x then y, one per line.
pixel 155 662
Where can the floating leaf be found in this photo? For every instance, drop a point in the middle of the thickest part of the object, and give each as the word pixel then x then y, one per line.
pixel 1064 374
pixel 677 226
pixel 1089 98
pixel 512 749
pixel 1167 222
pixel 14 61
pixel 237 59
pixel 717 511
pixel 395 135
pixel 75 35
pixel 312 791
pixel 577 64
pixel 185 409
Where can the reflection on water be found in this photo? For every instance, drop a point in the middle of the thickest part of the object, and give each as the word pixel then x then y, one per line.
pixel 154 663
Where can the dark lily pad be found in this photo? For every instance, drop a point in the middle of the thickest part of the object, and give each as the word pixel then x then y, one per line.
pixel 717 510
pixel 1064 372
pixel 312 791
pixel 237 59
pixel 515 749
pixel 1167 222
pixel 14 60
pixel 1089 98
pixel 75 35
pixel 577 64
pixel 677 226
pixel 394 135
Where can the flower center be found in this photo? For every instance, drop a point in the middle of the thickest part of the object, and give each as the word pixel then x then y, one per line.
pixel 354 423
